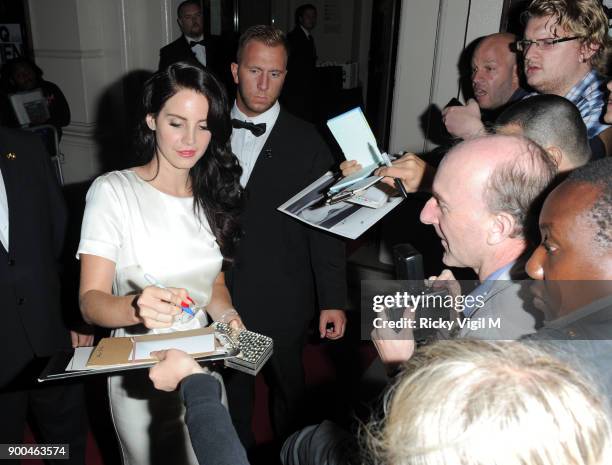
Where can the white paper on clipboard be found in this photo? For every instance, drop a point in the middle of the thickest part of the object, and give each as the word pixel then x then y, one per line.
pixel 354 136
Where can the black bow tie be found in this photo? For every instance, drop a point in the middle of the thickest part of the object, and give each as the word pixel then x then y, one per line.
pixel 193 43
pixel 256 129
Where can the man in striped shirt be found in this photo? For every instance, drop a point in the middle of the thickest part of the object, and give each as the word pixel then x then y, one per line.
pixel 564 46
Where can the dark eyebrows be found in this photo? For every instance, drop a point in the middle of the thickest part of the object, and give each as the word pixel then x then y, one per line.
pixel 203 120
pixel 262 70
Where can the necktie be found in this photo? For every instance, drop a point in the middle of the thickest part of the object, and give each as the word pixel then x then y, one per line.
pixel 256 129
pixel 193 43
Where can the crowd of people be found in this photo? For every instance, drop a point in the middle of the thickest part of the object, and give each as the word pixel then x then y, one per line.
pixel 523 199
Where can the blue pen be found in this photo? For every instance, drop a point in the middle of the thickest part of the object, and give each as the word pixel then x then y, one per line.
pixel 156 283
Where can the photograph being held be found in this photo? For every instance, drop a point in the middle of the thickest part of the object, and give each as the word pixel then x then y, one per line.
pixel 23 75
pixel 173 218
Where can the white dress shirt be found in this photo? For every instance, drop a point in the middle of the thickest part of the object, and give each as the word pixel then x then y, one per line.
pixel 245 145
pixel 199 50
pixel 4 215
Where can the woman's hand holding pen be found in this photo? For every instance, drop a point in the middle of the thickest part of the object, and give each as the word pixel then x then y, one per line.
pixel 158 307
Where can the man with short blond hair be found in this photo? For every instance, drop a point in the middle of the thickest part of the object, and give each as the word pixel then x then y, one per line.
pixel 282 270
pixel 564 48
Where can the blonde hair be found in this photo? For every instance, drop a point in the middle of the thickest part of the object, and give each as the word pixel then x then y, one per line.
pixel 267 35
pixel 584 18
pixel 468 402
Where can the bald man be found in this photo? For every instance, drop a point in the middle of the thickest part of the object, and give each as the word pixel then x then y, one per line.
pixel 483 192
pixel 495 81
pixel 482 195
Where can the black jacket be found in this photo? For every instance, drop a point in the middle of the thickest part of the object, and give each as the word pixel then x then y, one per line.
pixel 282 266
pixel 217 60
pixel 33 325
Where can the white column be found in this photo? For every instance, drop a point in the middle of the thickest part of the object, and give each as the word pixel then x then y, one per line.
pixel 88 47
pixel 431 40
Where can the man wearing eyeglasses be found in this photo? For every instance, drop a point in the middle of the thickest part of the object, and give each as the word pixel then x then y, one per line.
pixel 564 46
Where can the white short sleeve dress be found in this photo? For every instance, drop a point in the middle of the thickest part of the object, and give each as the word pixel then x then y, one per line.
pixel 143 230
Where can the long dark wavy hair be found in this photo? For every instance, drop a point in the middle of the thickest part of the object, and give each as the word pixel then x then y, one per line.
pixel 215 178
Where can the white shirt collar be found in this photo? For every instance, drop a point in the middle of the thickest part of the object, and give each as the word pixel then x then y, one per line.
pixel 192 39
pixel 269 116
pixel 306 31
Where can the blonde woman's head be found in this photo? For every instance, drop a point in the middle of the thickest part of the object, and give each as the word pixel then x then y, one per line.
pixel 491 403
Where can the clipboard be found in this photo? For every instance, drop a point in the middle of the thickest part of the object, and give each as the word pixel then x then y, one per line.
pixel 112 355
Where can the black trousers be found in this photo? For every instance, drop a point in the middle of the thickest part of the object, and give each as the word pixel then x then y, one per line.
pixel 58 411
pixel 284 375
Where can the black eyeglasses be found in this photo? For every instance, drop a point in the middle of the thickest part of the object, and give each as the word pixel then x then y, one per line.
pixel 542 44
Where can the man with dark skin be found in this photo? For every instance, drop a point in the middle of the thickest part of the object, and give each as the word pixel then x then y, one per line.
pixel 576 248
pixel 574 264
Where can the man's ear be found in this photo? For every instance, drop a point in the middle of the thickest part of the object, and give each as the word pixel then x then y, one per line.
pixel 502 227
pixel 150 119
pixel 515 75
pixel 556 154
pixel 234 69
pixel 587 50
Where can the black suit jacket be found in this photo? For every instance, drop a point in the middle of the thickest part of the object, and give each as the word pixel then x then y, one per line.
pixel 216 57
pixel 299 93
pixel 302 50
pixel 32 322
pixel 282 266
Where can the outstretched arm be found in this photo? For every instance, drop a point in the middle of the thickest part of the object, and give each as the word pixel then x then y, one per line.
pixel 213 436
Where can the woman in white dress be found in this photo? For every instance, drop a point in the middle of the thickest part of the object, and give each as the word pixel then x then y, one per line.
pixel 175 218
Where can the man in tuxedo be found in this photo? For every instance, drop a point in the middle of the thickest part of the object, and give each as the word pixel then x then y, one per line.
pixel 299 93
pixel 282 268
pixel 192 46
pixel 32 226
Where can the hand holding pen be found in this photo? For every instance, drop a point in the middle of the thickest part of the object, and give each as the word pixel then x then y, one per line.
pixel 414 174
pixel 397 182
pixel 158 306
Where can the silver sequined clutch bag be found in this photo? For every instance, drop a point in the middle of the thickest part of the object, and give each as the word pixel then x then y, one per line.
pixel 255 349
